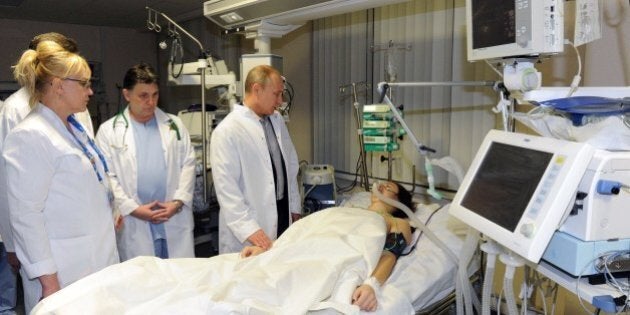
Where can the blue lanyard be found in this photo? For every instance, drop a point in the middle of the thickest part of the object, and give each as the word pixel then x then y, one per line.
pixel 87 153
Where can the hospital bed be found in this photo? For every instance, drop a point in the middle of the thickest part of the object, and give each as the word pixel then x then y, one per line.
pixel 197 286
pixel 427 275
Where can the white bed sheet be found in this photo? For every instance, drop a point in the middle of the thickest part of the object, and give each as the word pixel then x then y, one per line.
pixel 427 274
pixel 225 284
pixel 321 258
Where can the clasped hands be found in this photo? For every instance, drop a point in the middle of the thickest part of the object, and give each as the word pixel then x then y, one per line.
pixel 157 212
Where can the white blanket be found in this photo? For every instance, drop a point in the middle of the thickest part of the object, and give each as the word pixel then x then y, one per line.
pixel 316 264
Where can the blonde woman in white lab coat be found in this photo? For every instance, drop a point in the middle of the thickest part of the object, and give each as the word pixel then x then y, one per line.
pixel 15 109
pixel 156 203
pixel 57 179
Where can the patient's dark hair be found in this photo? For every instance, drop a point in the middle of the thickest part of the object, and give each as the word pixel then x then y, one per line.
pixel 404 197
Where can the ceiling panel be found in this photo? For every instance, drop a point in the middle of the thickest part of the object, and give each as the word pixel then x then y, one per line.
pixel 116 13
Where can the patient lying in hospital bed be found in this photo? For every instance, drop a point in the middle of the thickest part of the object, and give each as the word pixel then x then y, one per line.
pixel 314 267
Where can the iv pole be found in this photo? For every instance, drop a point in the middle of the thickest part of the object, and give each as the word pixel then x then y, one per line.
pixel 357 112
pixel 366 183
pixel 422 149
pixel 384 86
pixel 203 64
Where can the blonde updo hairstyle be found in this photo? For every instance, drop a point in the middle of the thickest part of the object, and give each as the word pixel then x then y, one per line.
pixel 37 67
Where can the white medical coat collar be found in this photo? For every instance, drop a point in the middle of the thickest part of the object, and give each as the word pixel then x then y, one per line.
pixel 55 121
pixel 249 113
pixel 160 116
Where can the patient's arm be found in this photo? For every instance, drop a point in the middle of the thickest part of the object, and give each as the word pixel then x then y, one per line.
pixel 386 263
pixel 364 296
pixel 384 267
pixel 249 251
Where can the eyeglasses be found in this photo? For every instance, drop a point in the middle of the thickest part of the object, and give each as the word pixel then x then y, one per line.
pixel 84 83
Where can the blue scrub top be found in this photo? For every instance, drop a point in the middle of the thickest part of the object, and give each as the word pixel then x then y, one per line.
pixel 151 166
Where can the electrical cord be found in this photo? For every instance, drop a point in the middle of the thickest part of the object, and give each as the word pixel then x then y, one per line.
pixel 421 232
pixel 601 264
pixel 177 50
pixel 577 284
pixel 577 78
pixel 289 91
pixel 354 181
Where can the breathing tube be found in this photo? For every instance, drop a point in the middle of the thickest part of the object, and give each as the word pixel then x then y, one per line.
pixel 416 223
pixel 511 263
pixel 431 179
pixel 492 250
pixel 464 297
pixel 462 284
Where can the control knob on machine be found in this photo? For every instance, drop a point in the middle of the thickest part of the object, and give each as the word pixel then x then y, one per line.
pixel 527 229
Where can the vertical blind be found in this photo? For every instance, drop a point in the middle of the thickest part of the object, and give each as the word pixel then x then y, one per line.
pixel 427 44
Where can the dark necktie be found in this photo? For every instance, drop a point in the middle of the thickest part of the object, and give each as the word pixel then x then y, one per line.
pixel 276 156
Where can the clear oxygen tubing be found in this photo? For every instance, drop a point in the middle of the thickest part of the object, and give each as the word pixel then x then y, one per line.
pixel 511 262
pixel 462 284
pixel 449 164
pixel 492 250
pixel 463 293
pixel 431 179
pixel 416 223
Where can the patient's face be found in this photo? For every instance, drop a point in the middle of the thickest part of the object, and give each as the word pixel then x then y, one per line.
pixel 387 189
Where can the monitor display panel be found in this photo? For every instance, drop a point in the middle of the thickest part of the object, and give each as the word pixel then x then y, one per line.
pixel 493 23
pixel 518 188
pixel 514 28
pixel 512 187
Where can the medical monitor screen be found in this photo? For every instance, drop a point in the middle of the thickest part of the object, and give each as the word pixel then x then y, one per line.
pixel 493 23
pixel 505 182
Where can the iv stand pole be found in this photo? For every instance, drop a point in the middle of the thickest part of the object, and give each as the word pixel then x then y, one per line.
pixel 382 89
pixel 366 183
pixel 203 64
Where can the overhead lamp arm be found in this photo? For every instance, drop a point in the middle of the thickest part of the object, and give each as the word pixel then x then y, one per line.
pixel 176 26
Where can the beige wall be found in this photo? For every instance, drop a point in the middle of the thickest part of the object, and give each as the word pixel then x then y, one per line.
pixel 295 48
pixel 607 60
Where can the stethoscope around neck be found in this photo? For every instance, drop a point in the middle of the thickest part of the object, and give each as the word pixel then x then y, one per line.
pixel 123 146
pixel 125 121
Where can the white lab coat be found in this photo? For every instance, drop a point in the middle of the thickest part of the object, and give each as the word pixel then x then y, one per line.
pixel 14 110
pixel 243 177
pixel 135 237
pixel 60 212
